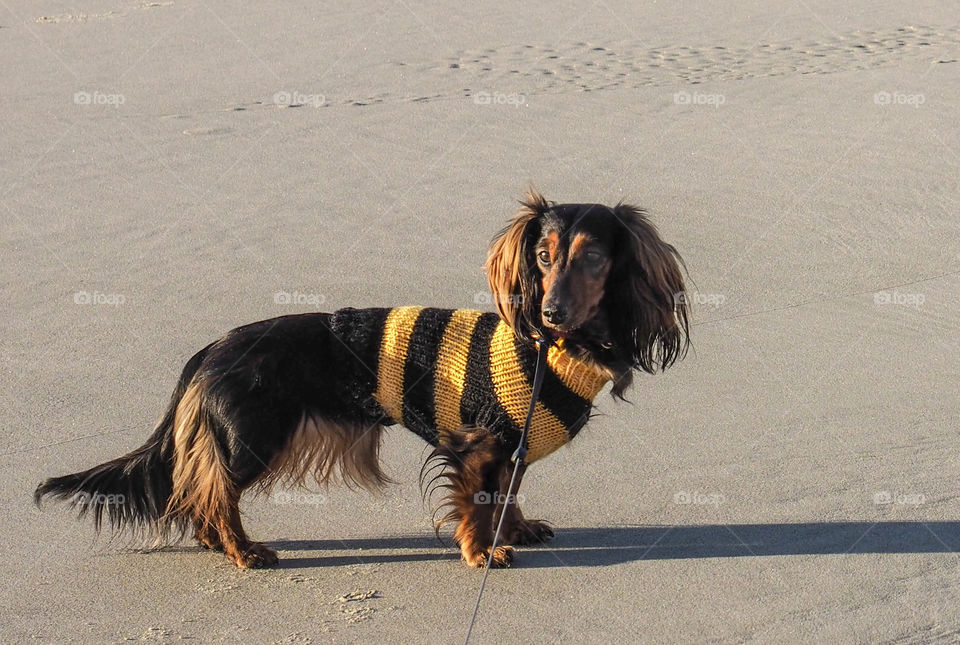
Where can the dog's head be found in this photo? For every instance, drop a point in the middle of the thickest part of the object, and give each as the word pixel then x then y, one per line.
pixel 600 277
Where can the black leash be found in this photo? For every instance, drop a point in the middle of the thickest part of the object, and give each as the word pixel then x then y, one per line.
pixel 519 455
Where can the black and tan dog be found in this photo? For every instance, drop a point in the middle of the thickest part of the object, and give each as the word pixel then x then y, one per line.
pixel 307 396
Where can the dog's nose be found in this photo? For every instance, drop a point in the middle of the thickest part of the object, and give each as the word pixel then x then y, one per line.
pixel 554 314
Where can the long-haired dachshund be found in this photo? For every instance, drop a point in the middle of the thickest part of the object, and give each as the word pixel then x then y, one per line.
pixel 307 396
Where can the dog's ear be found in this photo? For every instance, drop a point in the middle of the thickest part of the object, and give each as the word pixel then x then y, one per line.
pixel 648 310
pixel 512 270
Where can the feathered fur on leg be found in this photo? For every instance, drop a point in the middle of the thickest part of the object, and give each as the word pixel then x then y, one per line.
pixel 469 461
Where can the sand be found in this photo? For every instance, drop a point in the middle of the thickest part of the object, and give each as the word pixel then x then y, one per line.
pixel 172 169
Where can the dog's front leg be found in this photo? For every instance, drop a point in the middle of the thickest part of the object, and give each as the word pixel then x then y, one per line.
pixel 473 460
pixel 518 530
pixel 474 532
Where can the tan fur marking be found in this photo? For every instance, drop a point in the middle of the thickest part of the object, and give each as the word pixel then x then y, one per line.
pixel 583 284
pixel 202 489
pixel 580 240
pixel 553 244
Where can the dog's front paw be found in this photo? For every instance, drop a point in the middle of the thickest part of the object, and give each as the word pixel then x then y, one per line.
pixel 527 532
pixel 477 558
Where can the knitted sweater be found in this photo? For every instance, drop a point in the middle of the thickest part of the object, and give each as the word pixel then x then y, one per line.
pixel 439 369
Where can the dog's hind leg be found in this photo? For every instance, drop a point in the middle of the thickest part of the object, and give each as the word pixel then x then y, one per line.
pixel 518 530
pixel 216 517
pixel 207 482
pixel 243 552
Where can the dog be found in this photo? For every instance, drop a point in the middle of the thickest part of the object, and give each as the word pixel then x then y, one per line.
pixel 306 397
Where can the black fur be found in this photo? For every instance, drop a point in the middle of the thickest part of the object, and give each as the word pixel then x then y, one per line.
pixel 130 492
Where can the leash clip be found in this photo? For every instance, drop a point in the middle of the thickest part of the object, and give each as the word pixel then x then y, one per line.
pixel 519 455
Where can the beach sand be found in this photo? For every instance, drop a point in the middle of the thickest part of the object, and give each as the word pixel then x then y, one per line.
pixel 169 168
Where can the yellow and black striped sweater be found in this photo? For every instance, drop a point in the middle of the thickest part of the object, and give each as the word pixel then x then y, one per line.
pixel 438 369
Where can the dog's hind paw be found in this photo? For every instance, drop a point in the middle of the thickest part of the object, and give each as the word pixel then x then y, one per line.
pixel 256 555
pixel 502 558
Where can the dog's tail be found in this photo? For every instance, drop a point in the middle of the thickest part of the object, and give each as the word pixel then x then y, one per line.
pixel 132 491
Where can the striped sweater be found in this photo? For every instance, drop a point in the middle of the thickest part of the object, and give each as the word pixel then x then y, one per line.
pixel 439 369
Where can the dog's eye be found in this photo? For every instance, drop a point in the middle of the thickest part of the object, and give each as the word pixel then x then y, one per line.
pixel 592 257
pixel 544 257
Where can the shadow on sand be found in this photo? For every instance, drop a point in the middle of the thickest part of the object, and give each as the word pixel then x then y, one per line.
pixel 591 547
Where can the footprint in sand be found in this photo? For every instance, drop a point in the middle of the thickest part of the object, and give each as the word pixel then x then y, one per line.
pixel 206 132
pixel 88 17
pixel 586 67
pixel 597 66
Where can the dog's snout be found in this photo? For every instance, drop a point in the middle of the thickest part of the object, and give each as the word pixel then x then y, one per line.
pixel 555 314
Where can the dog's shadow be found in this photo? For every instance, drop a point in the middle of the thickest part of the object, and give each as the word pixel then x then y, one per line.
pixel 602 546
